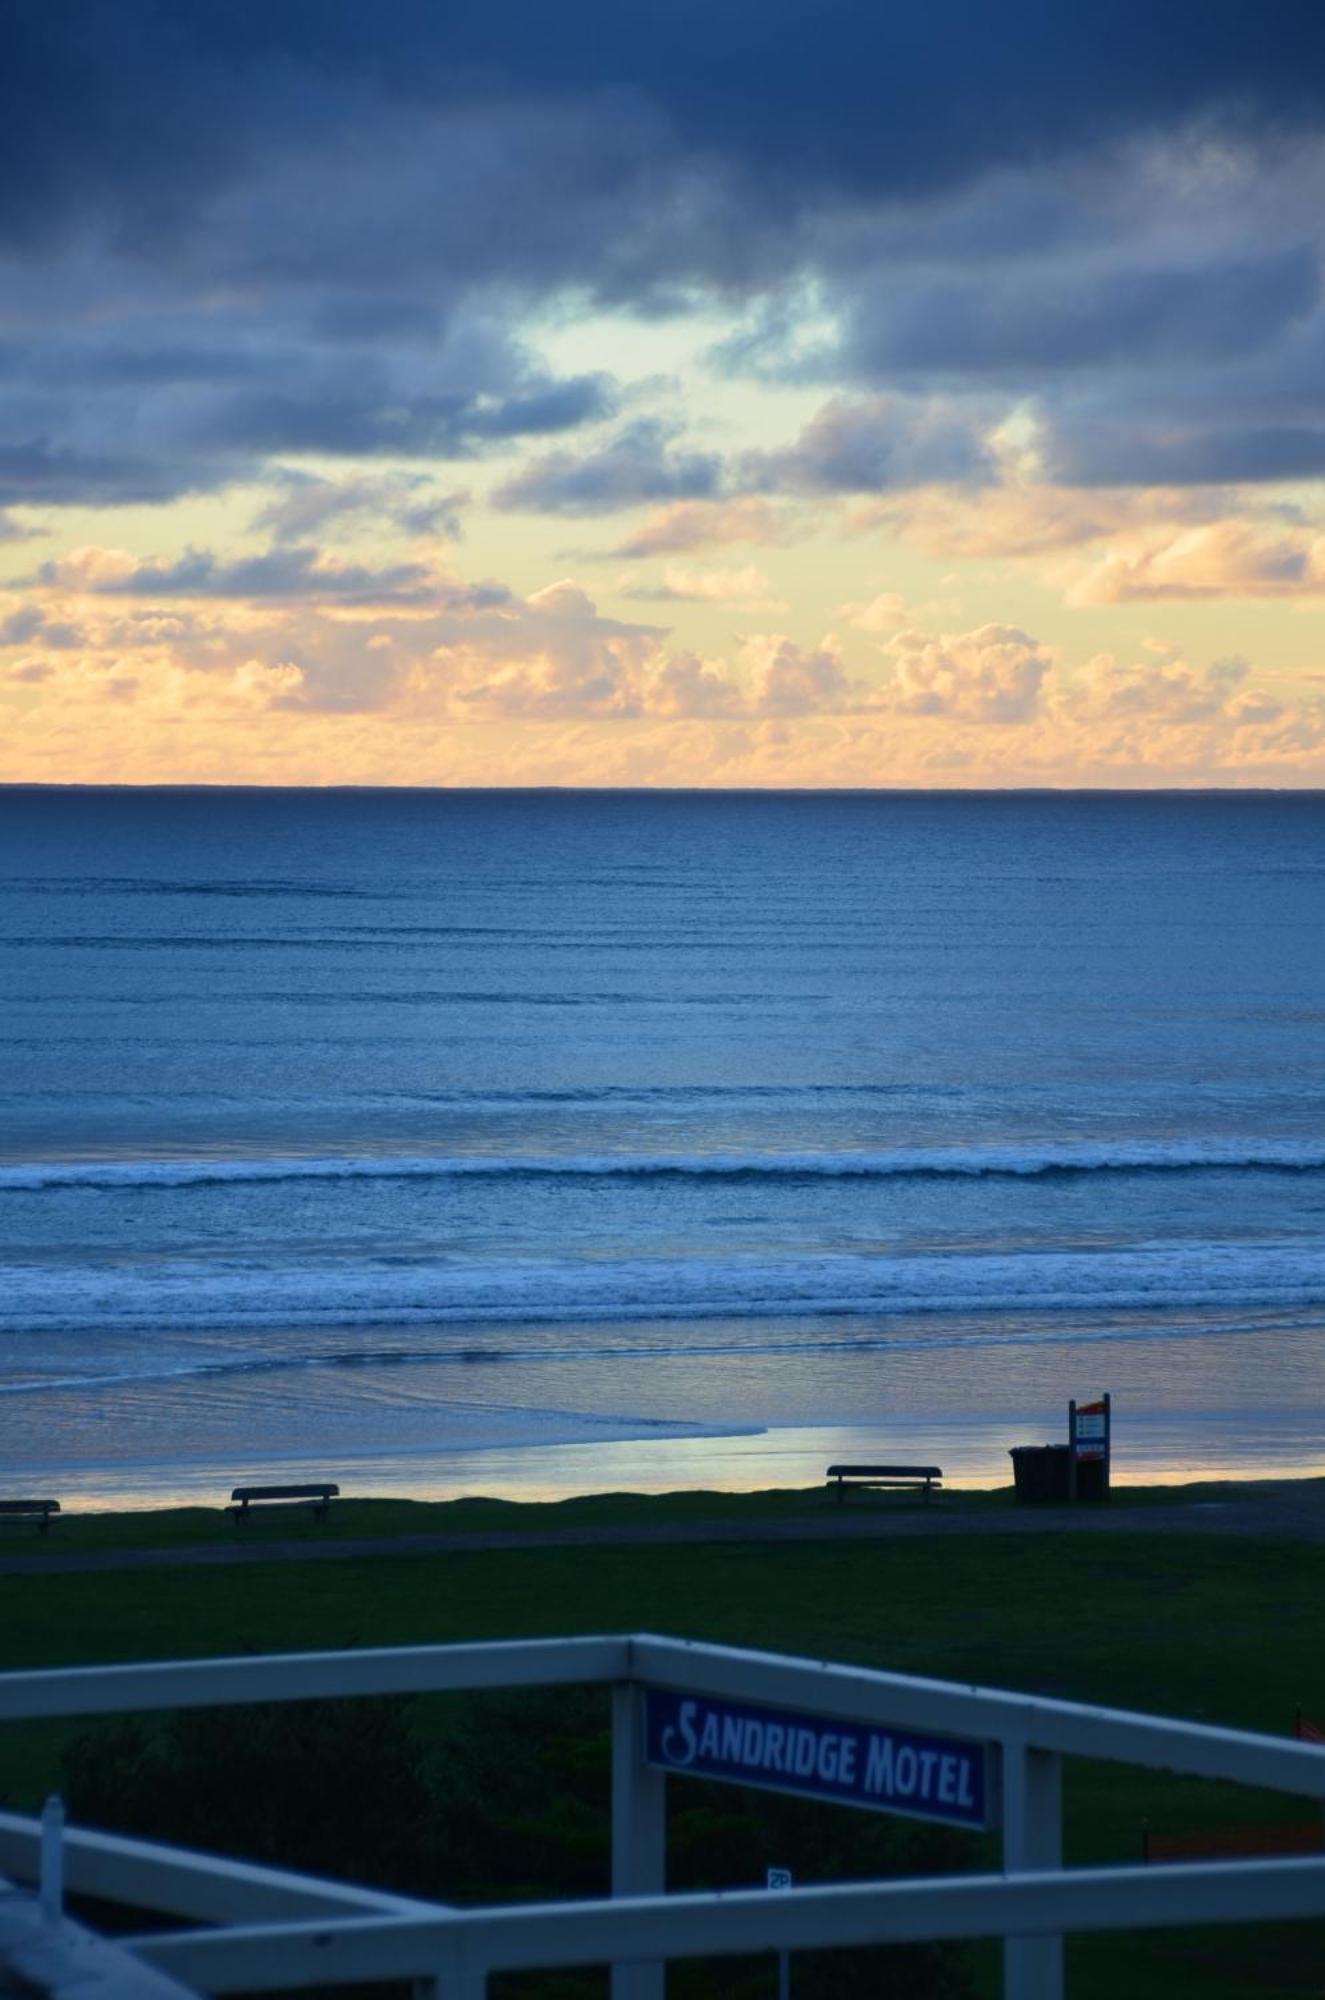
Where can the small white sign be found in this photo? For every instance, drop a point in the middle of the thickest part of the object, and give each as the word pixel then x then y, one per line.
pixel 779 1878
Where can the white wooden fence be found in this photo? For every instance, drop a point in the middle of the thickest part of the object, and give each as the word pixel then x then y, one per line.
pixel 287 1931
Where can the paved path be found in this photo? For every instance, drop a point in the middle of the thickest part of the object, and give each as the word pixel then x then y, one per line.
pixel 1294 1509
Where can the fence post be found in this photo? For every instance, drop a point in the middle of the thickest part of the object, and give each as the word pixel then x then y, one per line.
pixel 1032 1842
pixel 51 1881
pixel 639 1831
pixel 454 1980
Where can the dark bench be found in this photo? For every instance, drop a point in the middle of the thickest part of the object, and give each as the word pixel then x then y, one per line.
pixel 918 1478
pixel 39 1511
pixel 319 1498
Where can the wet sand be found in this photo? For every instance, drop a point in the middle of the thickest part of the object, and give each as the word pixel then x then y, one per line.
pixel 1159 1448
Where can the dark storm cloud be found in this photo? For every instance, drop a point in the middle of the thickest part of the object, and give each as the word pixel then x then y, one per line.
pixel 1003 325
pixel 639 464
pixel 85 422
pixel 357 417
pixel 232 233
pixel 45 471
pixel 1256 420
pixel 149 106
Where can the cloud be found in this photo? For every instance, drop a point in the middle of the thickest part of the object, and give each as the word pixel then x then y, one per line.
pixel 639 464
pixel 1024 520
pixel 842 100
pixel 493 688
pixel 790 680
pixel 28 625
pixel 1114 546
pixel 700 524
pixel 90 416
pixel 303 574
pixel 304 503
pixel 884 613
pixel 1018 290
pixel 1168 692
pixel 1223 559
pixel 995 674
pixel 356 410
pixel 1110 452
pixel 1158 309
pixel 564 660
pixel 322 236
pixel 873 445
pixel 683 685
pixel 748 587
pixel 1000 325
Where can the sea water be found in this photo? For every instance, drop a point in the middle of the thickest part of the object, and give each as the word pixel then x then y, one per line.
pixel 450 1141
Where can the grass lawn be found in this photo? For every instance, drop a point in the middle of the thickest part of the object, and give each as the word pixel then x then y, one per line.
pixel 186 1527
pixel 180 1527
pixel 1218 1629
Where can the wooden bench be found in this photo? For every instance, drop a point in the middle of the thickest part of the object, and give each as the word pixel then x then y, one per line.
pixel 318 1497
pixel 917 1478
pixel 39 1511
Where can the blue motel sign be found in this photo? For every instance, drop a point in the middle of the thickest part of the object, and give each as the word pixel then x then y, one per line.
pixel 943 1778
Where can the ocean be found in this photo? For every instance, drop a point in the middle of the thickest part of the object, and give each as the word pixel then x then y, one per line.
pixel 541 1141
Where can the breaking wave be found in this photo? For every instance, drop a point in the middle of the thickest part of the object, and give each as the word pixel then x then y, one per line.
pixel 197 1296
pixel 1014 1161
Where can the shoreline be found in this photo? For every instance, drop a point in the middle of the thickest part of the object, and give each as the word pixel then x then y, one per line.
pixel 1237 1401
pixel 1168 1451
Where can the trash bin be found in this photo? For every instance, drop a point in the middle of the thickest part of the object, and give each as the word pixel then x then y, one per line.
pixel 1030 1473
pixel 1041 1473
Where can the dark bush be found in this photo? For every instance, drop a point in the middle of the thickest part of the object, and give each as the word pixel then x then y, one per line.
pixel 332 1787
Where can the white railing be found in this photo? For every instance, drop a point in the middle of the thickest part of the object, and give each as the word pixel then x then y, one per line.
pixel 284 1930
pixel 459 1952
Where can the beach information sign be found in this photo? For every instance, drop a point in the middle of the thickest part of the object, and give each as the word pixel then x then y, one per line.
pixel 1090 1439
pixel 1090 1429
pixel 819 1757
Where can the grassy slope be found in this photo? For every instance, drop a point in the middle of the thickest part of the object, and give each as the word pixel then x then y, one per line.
pixel 1225 1630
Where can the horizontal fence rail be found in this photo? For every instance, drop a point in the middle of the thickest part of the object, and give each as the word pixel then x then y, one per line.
pixel 859 1694
pixel 185 1883
pixel 479 1942
pixel 125 1690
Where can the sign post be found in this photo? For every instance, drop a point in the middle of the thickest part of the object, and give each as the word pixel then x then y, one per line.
pixel 1089 1437
pixel 780 1878
pixel 639 1833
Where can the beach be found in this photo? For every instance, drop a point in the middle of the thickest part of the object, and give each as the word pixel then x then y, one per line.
pixel 1171 1448
pixel 541 1144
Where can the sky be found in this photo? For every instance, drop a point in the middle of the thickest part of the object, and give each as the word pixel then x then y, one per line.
pixel 800 394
